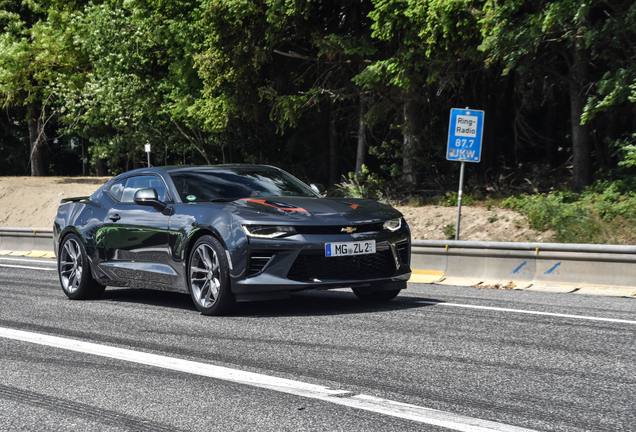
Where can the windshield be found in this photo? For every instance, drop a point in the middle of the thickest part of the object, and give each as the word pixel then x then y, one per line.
pixel 228 184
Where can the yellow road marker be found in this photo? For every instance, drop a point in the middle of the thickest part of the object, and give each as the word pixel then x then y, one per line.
pixel 426 276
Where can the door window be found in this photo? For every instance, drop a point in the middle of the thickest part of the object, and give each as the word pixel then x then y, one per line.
pixel 133 184
pixel 117 189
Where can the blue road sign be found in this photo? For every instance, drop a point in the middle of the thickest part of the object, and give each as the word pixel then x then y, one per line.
pixel 464 135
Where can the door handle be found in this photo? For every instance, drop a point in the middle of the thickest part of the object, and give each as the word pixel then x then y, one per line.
pixel 114 217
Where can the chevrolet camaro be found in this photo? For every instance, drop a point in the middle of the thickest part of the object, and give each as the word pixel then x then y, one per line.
pixel 225 234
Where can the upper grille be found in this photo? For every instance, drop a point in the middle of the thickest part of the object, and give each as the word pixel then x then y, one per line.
pixel 337 229
pixel 309 266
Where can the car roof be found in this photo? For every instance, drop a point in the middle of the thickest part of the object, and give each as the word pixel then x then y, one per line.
pixel 219 167
pixel 176 168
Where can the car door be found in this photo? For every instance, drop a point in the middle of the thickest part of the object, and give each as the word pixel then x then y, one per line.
pixel 135 237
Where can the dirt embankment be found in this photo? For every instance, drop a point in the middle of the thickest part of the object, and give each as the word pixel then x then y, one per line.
pixel 477 223
pixel 32 202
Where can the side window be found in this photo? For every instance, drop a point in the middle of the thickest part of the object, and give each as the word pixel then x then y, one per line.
pixel 157 184
pixel 143 182
pixel 116 189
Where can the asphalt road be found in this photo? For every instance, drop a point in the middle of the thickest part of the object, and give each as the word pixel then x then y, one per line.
pixel 436 358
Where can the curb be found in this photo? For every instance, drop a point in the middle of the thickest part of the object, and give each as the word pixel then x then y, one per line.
pixel 33 253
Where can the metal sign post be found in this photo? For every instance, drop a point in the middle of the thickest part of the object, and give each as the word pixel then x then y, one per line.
pixel 465 131
pixel 147 147
pixel 459 199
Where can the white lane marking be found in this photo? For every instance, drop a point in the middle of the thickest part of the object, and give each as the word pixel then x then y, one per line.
pixel 298 388
pixel 27 267
pixel 41 261
pixel 622 321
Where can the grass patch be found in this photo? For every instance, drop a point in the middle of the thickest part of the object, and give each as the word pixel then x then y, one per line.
pixel 451 199
pixel 604 213
pixel 449 231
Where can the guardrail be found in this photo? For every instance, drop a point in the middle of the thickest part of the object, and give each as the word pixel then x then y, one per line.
pixel 584 268
pixel 592 269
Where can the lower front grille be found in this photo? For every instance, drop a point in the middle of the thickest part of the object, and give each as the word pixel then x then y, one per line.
pixel 309 266
pixel 258 262
pixel 403 252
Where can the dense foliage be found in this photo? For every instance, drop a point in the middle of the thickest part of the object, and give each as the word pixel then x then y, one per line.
pixel 322 88
pixel 602 213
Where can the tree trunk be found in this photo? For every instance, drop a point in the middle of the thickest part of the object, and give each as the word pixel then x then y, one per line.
pixel 580 132
pixel 84 164
pixel 100 165
pixel 361 154
pixel 36 139
pixel 411 144
pixel 552 132
pixel 333 146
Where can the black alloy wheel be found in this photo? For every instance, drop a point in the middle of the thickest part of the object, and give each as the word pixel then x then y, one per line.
pixel 209 277
pixel 74 270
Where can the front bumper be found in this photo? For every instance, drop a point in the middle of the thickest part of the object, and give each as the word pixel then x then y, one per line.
pixel 298 263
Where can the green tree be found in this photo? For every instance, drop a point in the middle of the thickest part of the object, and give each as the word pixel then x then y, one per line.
pixel 36 52
pixel 565 41
pixel 425 44
pixel 140 83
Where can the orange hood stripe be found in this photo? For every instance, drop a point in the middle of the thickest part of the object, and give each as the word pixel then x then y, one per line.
pixel 264 202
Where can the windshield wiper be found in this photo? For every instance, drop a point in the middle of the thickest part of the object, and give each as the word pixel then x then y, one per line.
pixel 223 199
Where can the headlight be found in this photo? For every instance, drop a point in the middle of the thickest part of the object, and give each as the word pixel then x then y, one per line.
pixel 268 231
pixel 393 224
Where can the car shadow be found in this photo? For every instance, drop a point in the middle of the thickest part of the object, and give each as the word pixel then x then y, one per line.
pixel 150 297
pixel 323 303
pixel 303 303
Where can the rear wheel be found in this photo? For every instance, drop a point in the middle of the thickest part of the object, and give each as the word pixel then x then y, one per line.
pixel 74 271
pixel 375 296
pixel 209 277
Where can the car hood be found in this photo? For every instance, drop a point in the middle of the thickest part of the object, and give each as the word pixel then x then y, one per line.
pixel 312 211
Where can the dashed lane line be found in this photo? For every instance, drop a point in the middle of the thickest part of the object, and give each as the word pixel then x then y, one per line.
pixel 521 311
pixel 340 397
pixel 28 267
pixel 39 261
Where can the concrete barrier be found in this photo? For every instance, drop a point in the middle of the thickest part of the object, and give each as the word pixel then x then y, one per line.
pixel 592 269
pixel 26 241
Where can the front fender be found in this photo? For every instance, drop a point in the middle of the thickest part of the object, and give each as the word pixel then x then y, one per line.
pixel 189 222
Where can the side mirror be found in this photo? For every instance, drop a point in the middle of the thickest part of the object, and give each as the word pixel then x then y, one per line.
pixel 148 197
pixel 318 188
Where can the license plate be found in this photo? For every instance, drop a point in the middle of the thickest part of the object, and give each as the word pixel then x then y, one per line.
pixel 350 248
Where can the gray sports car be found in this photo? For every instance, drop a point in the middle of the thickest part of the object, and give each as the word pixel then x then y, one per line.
pixel 228 233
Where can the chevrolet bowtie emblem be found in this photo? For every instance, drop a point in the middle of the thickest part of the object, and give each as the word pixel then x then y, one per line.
pixel 348 229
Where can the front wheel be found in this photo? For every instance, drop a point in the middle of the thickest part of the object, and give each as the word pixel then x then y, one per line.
pixel 375 296
pixel 74 271
pixel 209 277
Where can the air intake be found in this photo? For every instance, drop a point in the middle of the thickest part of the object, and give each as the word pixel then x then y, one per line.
pixel 258 262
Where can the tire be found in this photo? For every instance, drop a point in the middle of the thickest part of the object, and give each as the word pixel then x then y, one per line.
pixel 209 277
pixel 74 271
pixel 375 296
